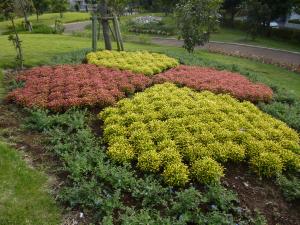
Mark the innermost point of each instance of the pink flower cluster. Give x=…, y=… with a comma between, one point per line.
x=61, y=87
x=202, y=78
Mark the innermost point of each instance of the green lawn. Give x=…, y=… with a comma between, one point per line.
x=238, y=36
x=24, y=198
x=40, y=48
x=49, y=19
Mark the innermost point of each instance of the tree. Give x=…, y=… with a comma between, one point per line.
x=59, y=6
x=196, y=19
x=7, y=7
x=40, y=7
x=25, y=6
x=278, y=9
x=257, y=15
x=166, y=6
x=296, y=6
x=232, y=7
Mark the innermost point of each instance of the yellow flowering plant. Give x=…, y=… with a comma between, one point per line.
x=179, y=133
x=138, y=62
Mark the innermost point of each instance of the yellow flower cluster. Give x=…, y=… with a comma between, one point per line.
x=185, y=135
x=138, y=62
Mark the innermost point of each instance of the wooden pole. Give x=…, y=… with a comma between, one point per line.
x=119, y=32
x=117, y=36
x=105, y=25
x=94, y=32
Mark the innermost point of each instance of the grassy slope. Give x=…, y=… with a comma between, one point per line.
x=39, y=49
x=49, y=18
x=23, y=195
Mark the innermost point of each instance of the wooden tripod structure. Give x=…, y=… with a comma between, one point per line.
x=116, y=32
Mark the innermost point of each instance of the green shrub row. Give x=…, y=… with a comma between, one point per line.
x=99, y=188
x=138, y=62
x=179, y=132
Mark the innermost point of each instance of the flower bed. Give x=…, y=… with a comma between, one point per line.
x=66, y=86
x=202, y=78
x=183, y=134
x=137, y=62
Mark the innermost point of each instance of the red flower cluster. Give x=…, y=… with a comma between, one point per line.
x=201, y=78
x=65, y=86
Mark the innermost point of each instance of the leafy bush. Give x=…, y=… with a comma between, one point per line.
x=198, y=125
x=267, y=164
x=207, y=170
x=176, y=174
x=62, y=87
x=202, y=78
x=137, y=62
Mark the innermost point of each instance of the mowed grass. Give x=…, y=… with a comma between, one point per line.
x=39, y=49
x=49, y=19
x=238, y=36
x=24, y=198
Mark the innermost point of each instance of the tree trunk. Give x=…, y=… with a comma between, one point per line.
x=18, y=45
x=27, y=22
x=61, y=14
x=37, y=15
x=105, y=25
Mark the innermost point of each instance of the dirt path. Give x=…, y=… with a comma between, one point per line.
x=268, y=55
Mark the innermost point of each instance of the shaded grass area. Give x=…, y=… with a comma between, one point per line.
x=23, y=194
x=40, y=49
x=49, y=19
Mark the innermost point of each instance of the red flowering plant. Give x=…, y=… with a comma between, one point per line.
x=61, y=87
x=202, y=78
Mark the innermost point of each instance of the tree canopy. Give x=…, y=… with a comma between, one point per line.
x=196, y=19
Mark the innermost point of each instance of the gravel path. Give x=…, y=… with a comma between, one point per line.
x=268, y=55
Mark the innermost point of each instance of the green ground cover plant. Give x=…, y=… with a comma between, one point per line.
x=184, y=134
x=99, y=188
x=137, y=62
x=24, y=192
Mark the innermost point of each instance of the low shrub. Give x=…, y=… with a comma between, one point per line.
x=61, y=87
x=207, y=170
x=195, y=126
x=267, y=164
x=202, y=78
x=97, y=187
x=137, y=62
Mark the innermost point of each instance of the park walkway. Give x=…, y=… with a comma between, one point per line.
x=268, y=55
